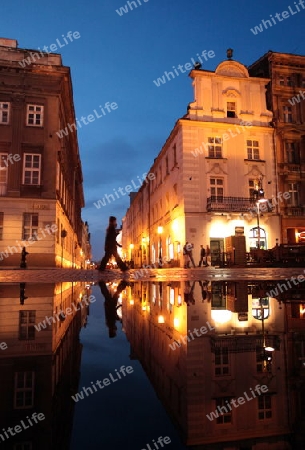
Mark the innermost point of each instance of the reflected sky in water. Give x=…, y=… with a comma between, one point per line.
x=167, y=355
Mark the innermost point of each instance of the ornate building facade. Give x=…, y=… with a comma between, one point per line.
x=285, y=97
x=207, y=177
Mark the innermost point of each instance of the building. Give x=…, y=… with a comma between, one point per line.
x=207, y=355
x=213, y=175
x=41, y=190
x=40, y=366
x=285, y=97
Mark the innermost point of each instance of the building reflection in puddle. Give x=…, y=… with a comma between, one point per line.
x=226, y=360
x=40, y=364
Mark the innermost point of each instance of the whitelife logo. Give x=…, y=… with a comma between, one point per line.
x=53, y=48
x=260, y=389
x=18, y=428
x=101, y=384
x=166, y=440
x=285, y=15
x=91, y=118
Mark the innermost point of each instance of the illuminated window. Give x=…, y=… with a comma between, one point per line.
x=293, y=189
x=24, y=390
x=221, y=361
x=260, y=308
x=285, y=80
x=3, y=173
x=26, y=325
x=218, y=295
x=252, y=188
x=298, y=310
x=215, y=147
x=259, y=360
x=31, y=168
x=231, y=109
x=4, y=112
x=252, y=149
x=216, y=189
x=287, y=114
x=30, y=225
x=264, y=407
x=292, y=155
x=34, y=115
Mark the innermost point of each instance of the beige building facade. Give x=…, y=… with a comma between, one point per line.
x=203, y=182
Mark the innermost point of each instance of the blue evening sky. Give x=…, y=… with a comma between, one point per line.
x=116, y=59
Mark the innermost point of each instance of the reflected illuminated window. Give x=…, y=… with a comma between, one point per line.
x=154, y=294
x=264, y=407
x=23, y=446
x=223, y=406
x=24, y=390
x=257, y=310
x=298, y=310
x=218, y=296
x=30, y=226
x=221, y=361
x=27, y=320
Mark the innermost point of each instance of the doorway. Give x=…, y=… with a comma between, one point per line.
x=217, y=248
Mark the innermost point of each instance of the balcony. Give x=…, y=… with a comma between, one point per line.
x=229, y=204
x=290, y=168
x=295, y=211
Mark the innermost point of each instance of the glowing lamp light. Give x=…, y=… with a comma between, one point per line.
x=143, y=307
x=161, y=319
x=131, y=302
x=221, y=316
x=269, y=349
x=176, y=322
x=172, y=297
x=179, y=300
x=160, y=230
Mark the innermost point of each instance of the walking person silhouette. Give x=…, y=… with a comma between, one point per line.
x=111, y=246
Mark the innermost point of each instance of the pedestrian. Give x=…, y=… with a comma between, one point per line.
x=111, y=246
x=208, y=256
x=186, y=258
x=202, y=256
x=190, y=250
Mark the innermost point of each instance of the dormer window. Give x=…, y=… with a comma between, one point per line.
x=231, y=109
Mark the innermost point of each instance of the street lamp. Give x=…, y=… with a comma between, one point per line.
x=160, y=231
x=131, y=246
x=143, y=243
x=63, y=235
x=267, y=350
x=258, y=195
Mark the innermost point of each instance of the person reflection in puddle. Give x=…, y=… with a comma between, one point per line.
x=205, y=294
x=111, y=305
x=189, y=293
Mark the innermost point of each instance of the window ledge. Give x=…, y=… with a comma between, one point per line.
x=255, y=160
x=211, y=157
